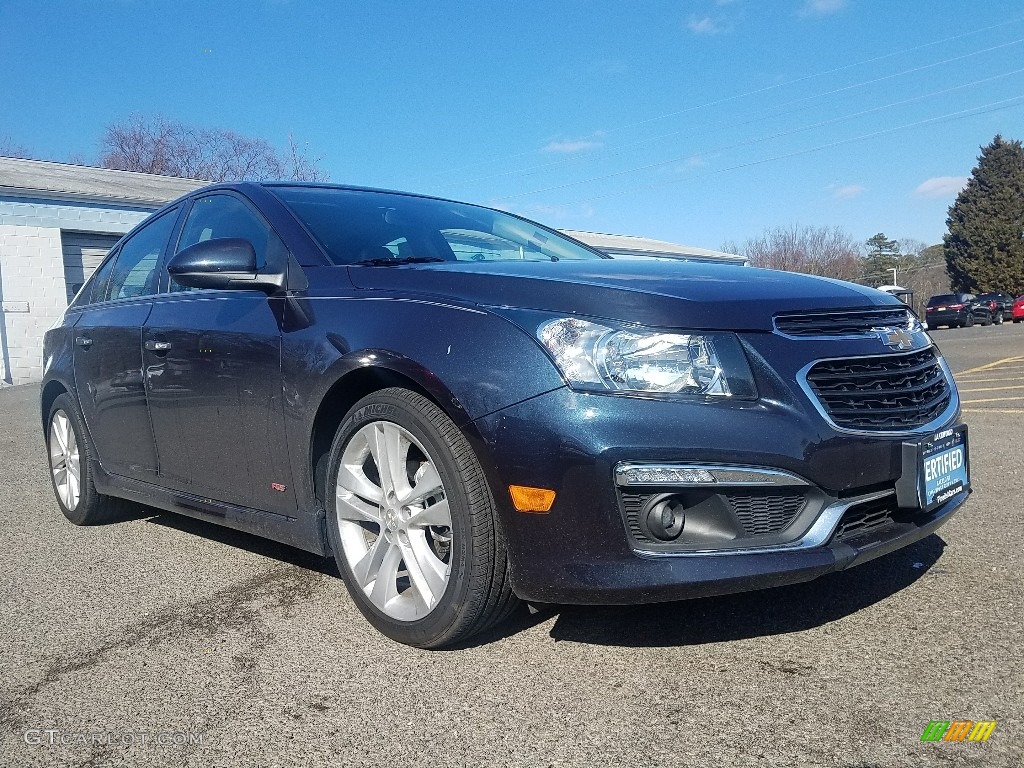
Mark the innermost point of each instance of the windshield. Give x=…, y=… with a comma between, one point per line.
x=381, y=228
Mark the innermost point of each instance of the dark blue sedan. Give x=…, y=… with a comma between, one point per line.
x=468, y=409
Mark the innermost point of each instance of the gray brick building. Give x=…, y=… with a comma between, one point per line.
x=57, y=221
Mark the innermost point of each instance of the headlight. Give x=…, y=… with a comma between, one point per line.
x=597, y=357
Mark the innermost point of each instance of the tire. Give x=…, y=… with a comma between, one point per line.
x=998, y=318
x=68, y=447
x=437, y=513
x=969, y=323
x=1016, y=320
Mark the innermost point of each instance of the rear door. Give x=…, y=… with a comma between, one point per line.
x=108, y=353
x=213, y=366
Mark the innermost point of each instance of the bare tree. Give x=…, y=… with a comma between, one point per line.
x=302, y=167
x=825, y=251
x=922, y=269
x=10, y=148
x=911, y=246
x=171, y=148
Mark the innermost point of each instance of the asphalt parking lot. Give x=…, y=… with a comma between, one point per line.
x=252, y=653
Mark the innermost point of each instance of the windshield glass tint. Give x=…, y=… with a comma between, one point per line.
x=357, y=226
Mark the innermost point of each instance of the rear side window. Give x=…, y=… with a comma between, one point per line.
x=134, y=270
x=96, y=285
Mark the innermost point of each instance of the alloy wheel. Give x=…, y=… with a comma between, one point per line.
x=65, y=463
x=394, y=522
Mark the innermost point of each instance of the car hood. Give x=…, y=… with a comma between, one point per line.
x=657, y=293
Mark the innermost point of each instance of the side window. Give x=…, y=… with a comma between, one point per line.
x=96, y=285
x=217, y=216
x=135, y=268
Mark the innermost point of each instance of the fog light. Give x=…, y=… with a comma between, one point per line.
x=663, y=517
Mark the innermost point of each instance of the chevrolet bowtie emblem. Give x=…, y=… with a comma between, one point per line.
x=895, y=338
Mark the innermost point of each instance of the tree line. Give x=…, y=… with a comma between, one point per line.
x=982, y=251
x=833, y=252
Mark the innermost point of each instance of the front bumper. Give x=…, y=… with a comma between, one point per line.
x=584, y=552
x=656, y=577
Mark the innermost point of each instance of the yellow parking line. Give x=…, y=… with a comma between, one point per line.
x=994, y=399
x=993, y=410
x=980, y=381
x=987, y=366
x=992, y=389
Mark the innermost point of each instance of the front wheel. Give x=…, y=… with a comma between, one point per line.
x=998, y=318
x=412, y=523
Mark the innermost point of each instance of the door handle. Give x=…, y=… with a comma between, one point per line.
x=83, y=341
x=157, y=346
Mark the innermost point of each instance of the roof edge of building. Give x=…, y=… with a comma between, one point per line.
x=66, y=181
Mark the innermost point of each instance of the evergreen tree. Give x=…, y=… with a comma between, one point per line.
x=883, y=254
x=984, y=248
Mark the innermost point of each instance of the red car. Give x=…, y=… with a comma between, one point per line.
x=1018, y=309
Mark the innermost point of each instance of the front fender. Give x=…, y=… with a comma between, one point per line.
x=470, y=361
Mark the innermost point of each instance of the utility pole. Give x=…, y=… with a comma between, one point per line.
x=894, y=276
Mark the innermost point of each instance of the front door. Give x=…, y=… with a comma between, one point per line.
x=213, y=368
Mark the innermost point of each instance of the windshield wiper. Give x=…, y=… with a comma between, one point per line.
x=396, y=262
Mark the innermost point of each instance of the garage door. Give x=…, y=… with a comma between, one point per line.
x=83, y=252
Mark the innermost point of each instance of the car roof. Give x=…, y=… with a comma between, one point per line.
x=355, y=188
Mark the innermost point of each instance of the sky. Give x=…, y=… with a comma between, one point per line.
x=697, y=121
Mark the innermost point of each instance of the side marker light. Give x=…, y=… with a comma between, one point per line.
x=528, y=499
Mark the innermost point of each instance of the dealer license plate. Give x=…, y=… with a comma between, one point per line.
x=944, y=466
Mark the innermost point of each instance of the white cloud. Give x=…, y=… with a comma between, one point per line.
x=940, y=186
x=571, y=146
x=704, y=26
x=848, y=192
x=822, y=7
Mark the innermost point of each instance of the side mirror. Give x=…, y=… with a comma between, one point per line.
x=223, y=263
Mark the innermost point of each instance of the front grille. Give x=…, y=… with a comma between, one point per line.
x=887, y=392
x=759, y=512
x=866, y=517
x=847, y=322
